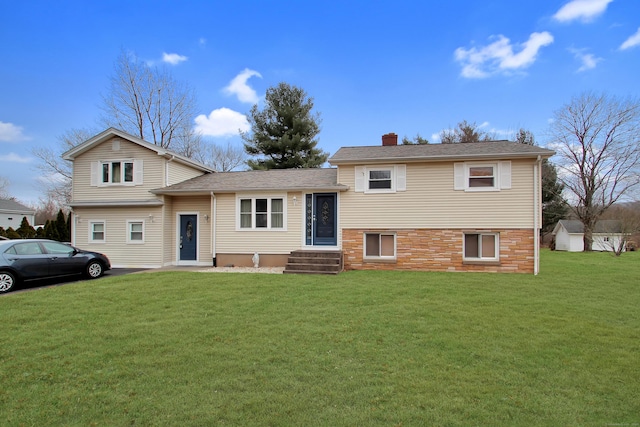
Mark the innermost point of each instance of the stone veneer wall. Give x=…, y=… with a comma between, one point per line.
x=440, y=250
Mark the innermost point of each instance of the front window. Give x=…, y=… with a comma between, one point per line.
x=97, y=232
x=380, y=245
x=136, y=232
x=266, y=213
x=481, y=246
x=117, y=172
x=481, y=176
x=380, y=179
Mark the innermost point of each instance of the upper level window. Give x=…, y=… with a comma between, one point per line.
x=261, y=213
x=117, y=172
x=380, y=179
x=482, y=176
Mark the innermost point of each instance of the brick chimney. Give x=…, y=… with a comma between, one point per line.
x=390, y=139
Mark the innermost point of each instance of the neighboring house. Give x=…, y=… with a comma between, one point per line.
x=569, y=235
x=12, y=212
x=439, y=207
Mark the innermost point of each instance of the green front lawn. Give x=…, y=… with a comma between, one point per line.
x=359, y=349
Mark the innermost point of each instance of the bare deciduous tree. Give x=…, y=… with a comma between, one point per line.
x=626, y=224
x=57, y=172
x=597, y=141
x=225, y=158
x=464, y=132
x=4, y=188
x=149, y=103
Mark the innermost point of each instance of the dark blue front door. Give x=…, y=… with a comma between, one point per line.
x=321, y=219
x=188, y=237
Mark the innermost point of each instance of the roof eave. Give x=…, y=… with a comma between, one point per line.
x=340, y=188
x=423, y=159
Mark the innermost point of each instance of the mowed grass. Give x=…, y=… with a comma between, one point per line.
x=359, y=349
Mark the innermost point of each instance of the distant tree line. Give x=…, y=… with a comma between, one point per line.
x=58, y=229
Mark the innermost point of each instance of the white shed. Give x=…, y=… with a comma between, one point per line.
x=569, y=235
x=12, y=212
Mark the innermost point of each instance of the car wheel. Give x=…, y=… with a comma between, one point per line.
x=94, y=269
x=7, y=281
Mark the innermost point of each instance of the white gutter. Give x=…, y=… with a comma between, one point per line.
x=536, y=214
x=213, y=224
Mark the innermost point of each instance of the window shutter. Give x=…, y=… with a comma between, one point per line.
x=138, y=172
x=505, y=175
x=95, y=173
x=360, y=179
x=458, y=176
x=401, y=178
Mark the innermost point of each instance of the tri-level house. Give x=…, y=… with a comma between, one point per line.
x=436, y=207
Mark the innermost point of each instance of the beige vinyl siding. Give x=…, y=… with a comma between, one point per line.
x=431, y=202
x=121, y=253
x=229, y=240
x=199, y=205
x=169, y=245
x=153, y=167
x=179, y=172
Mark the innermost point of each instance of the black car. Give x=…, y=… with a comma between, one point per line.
x=36, y=259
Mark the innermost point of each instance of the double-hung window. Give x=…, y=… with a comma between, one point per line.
x=380, y=246
x=380, y=179
x=135, y=231
x=494, y=176
x=261, y=213
x=97, y=232
x=481, y=247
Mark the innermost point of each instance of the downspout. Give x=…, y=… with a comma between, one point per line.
x=213, y=226
x=536, y=216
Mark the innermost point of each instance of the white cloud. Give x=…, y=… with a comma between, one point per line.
x=222, y=122
x=14, y=158
x=588, y=60
x=632, y=41
x=499, y=56
x=241, y=89
x=584, y=10
x=202, y=41
x=173, y=58
x=11, y=133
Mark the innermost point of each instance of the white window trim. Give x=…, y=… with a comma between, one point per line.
x=501, y=176
x=96, y=173
x=381, y=257
x=269, y=198
x=129, y=223
x=398, y=178
x=104, y=232
x=481, y=259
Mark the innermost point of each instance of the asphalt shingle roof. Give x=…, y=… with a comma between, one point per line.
x=259, y=180
x=13, y=206
x=435, y=152
x=573, y=226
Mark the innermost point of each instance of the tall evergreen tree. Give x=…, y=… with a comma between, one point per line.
x=61, y=228
x=284, y=132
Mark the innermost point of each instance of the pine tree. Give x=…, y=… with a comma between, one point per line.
x=61, y=227
x=26, y=231
x=284, y=132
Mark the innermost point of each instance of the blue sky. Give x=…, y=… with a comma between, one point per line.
x=372, y=67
